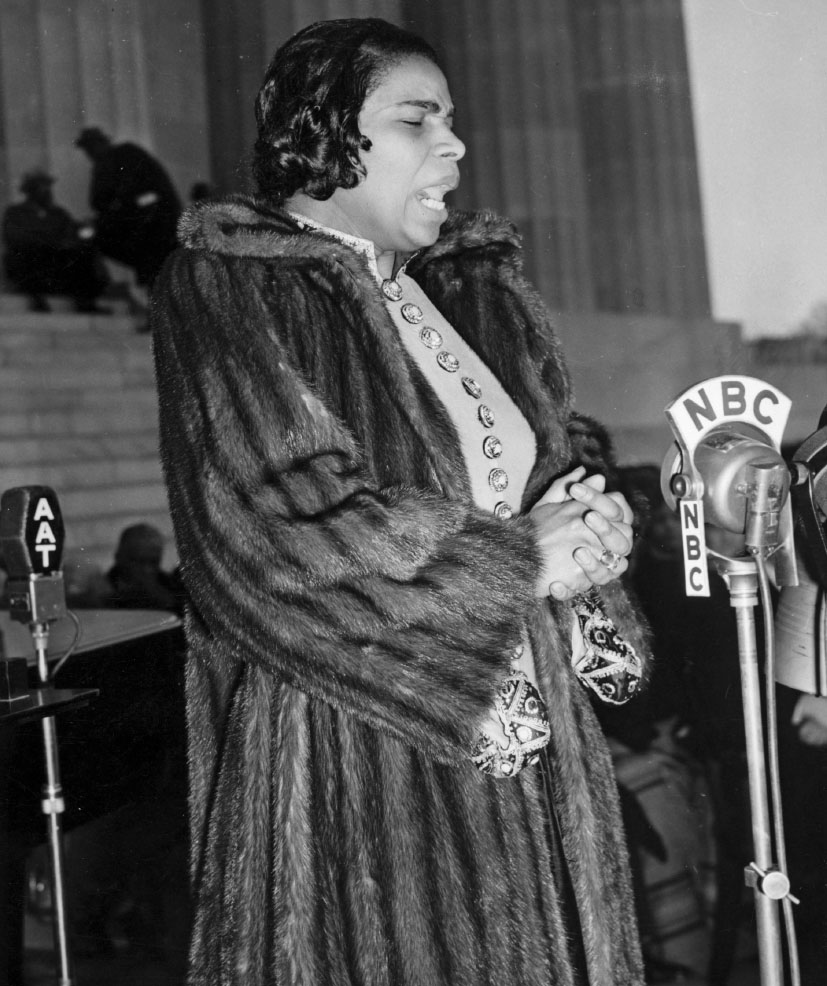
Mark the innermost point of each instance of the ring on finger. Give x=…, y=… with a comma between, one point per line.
x=611, y=559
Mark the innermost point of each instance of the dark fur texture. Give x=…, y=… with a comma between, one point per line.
x=351, y=618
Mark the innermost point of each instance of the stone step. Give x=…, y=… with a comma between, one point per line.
x=105, y=501
x=14, y=304
x=78, y=412
x=57, y=342
x=84, y=505
x=82, y=474
x=86, y=529
x=122, y=418
x=38, y=323
x=69, y=399
x=50, y=376
x=25, y=329
x=31, y=362
x=52, y=450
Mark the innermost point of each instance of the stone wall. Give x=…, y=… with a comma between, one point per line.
x=626, y=369
x=78, y=412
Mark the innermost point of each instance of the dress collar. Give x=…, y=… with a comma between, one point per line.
x=363, y=247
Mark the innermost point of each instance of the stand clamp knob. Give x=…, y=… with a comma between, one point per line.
x=772, y=882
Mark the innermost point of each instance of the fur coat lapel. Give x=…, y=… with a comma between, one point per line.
x=530, y=366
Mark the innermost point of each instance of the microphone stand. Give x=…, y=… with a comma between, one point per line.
x=769, y=884
x=31, y=537
x=720, y=461
x=53, y=807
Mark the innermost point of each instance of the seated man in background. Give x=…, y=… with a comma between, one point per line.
x=137, y=580
x=45, y=250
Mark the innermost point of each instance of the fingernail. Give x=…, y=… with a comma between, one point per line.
x=579, y=488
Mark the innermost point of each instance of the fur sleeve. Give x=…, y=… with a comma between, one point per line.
x=397, y=605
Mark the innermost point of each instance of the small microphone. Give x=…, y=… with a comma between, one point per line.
x=768, y=483
x=31, y=539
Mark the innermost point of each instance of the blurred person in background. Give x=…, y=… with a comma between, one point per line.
x=135, y=205
x=86, y=584
x=137, y=580
x=47, y=252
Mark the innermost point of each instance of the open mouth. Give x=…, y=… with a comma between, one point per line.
x=432, y=197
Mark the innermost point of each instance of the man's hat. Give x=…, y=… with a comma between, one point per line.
x=31, y=179
x=90, y=135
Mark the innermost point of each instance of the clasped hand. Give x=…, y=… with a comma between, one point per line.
x=577, y=523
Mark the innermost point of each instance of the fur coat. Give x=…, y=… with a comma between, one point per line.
x=351, y=618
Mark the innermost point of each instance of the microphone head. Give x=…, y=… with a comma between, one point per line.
x=31, y=531
x=723, y=459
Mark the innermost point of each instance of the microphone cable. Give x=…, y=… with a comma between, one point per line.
x=73, y=646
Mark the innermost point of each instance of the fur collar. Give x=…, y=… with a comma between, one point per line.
x=246, y=226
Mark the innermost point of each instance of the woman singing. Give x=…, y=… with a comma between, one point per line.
x=402, y=580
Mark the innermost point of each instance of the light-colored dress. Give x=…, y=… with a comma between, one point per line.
x=497, y=442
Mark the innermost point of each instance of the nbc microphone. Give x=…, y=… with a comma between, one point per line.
x=726, y=470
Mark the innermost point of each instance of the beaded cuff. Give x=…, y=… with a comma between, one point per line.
x=524, y=719
x=610, y=667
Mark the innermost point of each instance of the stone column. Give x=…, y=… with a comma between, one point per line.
x=644, y=201
x=135, y=70
x=510, y=69
x=21, y=90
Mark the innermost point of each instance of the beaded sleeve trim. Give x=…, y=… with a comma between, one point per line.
x=524, y=719
x=610, y=666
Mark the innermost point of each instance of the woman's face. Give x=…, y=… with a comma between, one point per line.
x=411, y=164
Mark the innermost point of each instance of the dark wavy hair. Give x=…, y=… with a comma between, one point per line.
x=308, y=106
